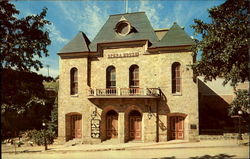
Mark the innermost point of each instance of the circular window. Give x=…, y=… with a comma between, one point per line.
x=123, y=28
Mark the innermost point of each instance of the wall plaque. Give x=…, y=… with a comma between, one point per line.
x=123, y=55
x=193, y=126
x=95, y=128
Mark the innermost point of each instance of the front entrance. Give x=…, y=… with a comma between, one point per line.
x=135, y=119
x=73, y=126
x=76, y=130
x=112, y=124
x=176, y=127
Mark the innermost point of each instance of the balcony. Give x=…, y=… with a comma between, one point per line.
x=124, y=93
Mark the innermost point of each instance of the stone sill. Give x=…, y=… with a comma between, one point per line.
x=176, y=94
x=75, y=95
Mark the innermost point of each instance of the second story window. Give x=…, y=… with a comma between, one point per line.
x=176, y=77
x=134, y=76
x=73, y=81
x=110, y=77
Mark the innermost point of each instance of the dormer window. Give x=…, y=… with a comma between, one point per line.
x=123, y=28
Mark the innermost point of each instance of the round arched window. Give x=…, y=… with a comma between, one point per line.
x=123, y=28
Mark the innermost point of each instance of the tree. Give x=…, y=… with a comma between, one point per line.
x=22, y=40
x=224, y=43
x=240, y=102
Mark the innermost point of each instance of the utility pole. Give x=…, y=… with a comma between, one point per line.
x=48, y=69
x=126, y=6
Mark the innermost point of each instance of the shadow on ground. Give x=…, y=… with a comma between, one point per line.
x=220, y=156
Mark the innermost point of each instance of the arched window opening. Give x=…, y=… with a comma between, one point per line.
x=111, y=77
x=134, y=76
x=73, y=81
x=176, y=78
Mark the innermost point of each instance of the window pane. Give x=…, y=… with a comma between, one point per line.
x=176, y=78
x=73, y=81
x=76, y=88
x=111, y=77
x=134, y=76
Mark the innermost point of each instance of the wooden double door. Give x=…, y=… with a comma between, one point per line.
x=112, y=124
x=75, y=126
x=176, y=127
x=135, y=119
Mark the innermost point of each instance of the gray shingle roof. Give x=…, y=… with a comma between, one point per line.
x=176, y=36
x=78, y=44
x=138, y=20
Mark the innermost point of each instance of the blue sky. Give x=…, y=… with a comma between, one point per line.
x=69, y=17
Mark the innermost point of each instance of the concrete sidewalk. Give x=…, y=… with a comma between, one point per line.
x=126, y=146
x=140, y=146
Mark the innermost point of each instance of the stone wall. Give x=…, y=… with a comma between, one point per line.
x=154, y=72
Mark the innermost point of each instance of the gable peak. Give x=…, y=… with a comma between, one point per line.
x=123, y=19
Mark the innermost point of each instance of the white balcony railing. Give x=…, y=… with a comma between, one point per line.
x=125, y=92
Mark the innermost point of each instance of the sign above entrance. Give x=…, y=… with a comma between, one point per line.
x=123, y=55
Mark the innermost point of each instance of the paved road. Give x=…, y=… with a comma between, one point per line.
x=237, y=151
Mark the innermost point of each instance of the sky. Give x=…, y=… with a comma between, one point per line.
x=68, y=17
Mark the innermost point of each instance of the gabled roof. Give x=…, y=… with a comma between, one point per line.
x=176, y=36
x=138, y=20
x=78, y=44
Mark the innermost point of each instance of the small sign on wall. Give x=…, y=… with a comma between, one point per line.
x=193, y=126
x=95, y=128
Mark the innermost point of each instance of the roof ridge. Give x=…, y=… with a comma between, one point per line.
x=125, y=13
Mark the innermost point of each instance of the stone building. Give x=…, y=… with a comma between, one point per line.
x=214, y=102
x=131, y=83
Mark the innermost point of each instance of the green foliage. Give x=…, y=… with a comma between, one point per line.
x=240, y=102
x=53, y=124
x=22, y=40
x=25, y=102
x=21, y=90
x=224, y=43
x=37, y=136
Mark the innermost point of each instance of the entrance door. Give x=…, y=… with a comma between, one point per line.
x=135, y=125
x=112, y=124
x=176, y=127
x=76, y=126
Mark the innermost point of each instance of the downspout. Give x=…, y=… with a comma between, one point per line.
x=157, y=120
x=157, y=115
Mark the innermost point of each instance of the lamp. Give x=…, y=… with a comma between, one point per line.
x=149, y=113
x=44, y=136
x=240, y=135
x=240, y=112
x=94, y=114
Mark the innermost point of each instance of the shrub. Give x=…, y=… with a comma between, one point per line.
x=37, y=136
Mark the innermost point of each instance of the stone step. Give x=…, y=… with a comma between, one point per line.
x=111, y=141
x=73, y=142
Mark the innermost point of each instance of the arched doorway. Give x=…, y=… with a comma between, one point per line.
x=73, y=126
x=111, y=124
x=135, y=119
x=176, y=127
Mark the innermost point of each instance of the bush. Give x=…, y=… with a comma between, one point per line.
x=37, y=136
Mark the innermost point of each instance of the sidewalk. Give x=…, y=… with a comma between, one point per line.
x=123, y=146
x=143, y=146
